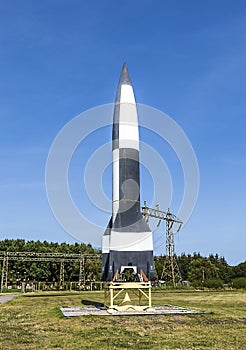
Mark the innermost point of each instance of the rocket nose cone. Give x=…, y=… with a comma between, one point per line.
x=124, y=77
x=124, y=80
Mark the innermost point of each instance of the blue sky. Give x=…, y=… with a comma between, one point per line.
x=186, y=58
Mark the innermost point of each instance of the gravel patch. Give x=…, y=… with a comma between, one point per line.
x=7, y=297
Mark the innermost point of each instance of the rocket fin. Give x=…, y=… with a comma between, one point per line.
x=105, y=250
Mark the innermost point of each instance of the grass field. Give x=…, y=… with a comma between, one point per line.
x=34, y=321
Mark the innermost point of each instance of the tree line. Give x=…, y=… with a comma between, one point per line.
x=211, y=272
x=42, y=271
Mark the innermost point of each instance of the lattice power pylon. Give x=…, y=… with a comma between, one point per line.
x=170, y=273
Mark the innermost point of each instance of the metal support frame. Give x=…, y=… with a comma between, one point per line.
x=170, y=273
x=82, y=277
x=61, y=258
x=56, y=257
x=113, y=289
x=81, y=273
x=62, y=280
x=4, y=277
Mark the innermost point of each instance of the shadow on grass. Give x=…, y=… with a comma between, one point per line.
x=92, y=303
x=47, y=294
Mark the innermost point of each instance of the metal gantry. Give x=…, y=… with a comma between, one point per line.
x=62, y=278
x=170, y=272
x=61, y=258
x=4, y=277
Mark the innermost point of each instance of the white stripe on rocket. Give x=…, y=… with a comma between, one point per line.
x=127, y=94
x=116, y=183
x=131, y=241
x=106, y=244
x=128, y=122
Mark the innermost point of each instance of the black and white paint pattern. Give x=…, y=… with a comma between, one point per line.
x=128, y=238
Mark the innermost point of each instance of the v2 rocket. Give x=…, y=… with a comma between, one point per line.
x=127, y=241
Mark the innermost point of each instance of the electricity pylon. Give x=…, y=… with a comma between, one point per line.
x=170, y=273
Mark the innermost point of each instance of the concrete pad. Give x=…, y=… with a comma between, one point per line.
x=160, y=310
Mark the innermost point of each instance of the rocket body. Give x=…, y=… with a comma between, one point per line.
x=127, y=240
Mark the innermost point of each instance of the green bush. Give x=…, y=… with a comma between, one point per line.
x=213, y=283
x=239, y=283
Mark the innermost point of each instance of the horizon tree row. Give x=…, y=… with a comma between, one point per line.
x=212, y=271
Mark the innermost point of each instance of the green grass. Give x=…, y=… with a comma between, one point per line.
x=34, y=321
